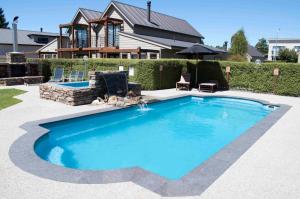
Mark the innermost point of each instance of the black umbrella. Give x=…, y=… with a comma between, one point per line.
x=200, y=50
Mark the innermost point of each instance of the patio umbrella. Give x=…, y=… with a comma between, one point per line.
x=200, y=50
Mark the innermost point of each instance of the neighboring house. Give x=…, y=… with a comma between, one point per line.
x=275, y=45
x=126, y=31
x=28, y=41
x=253, y=54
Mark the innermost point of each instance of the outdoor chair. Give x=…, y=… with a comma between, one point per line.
x=185, y=82
x=80, y=76
x=210, y=86
x=58, y=75
x=73, y=76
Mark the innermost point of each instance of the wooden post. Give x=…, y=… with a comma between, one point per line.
x=276, y=75
x=90, y=35
x=106, y=33
x=228, y=73
x=139, y=53
x=73, y=36
x=60, y=41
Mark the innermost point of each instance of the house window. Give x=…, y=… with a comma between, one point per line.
x=81, y=37
x=42, y=40
x=113, y=35
x=276, y=50
x=153, y=55
x=134, y=56
x=297, y=48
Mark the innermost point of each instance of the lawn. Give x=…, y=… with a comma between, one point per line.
x=7, y=97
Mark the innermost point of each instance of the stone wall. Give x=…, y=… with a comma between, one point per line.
x=69, y=96
x=11, y=81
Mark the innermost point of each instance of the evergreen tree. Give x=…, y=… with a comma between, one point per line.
x=262, y=46
x=239, y=43
x=3, y=23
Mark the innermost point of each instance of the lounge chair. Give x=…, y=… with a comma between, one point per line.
x=73, y=76
x=80, y=76
x=210, y=86
x=185, y=82
x=58, y=75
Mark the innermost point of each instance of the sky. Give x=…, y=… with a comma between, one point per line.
x=216, y=20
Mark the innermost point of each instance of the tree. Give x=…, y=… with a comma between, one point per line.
x=262, y=46
x=239, y=43
x=3, y=23
x=288, y=55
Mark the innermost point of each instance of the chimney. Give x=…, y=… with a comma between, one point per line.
x=149, y=10
x=41, y=29
x=225, y=45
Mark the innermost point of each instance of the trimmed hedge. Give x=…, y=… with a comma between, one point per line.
x=244, y=76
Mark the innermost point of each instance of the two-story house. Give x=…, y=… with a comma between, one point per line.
x=125, y=31
x=275, y=45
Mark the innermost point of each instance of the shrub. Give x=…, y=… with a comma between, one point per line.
x=244, y=75
x=288, y=55
x=237, y=58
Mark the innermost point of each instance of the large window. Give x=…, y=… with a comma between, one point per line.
x=297, y=48
x=81, y=37
x=113, y=35
x=276, y=49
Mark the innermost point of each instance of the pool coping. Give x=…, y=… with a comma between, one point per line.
x=194, y=183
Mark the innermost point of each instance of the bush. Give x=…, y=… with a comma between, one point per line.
x=237, y=58
x=244, y=76
x=288, y=55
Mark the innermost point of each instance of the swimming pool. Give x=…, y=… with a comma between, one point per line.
x=75, y=84
x=170, y=139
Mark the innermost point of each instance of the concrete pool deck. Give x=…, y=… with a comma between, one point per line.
x=269, y=169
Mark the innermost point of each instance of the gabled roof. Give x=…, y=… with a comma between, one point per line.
x=162, y=42
x=88, y=14
x=253, y=52
x=91, y=14
x=138, y=16
x=6, y=36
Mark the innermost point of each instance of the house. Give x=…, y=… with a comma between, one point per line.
x=275, y=45
x=125, y=31
x=28, y=41
x=253, y=54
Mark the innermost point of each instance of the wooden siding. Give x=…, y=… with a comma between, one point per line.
x=126, y=42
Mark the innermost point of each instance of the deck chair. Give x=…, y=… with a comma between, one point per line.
x=80, y=76
x=210, y=86
x=58, y=75
x=185, y=82
x=73, y=76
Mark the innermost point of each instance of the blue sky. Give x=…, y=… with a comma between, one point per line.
x=217, y=20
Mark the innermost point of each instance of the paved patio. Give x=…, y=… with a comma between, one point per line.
x=269, y=169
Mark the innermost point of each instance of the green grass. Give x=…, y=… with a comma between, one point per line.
x=7, y=97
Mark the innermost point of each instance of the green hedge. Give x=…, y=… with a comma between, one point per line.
x=244, y=76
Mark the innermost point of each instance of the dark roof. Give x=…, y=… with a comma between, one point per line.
x=201, y=49
x=281, y=40
x=90, y=14
x=253, y=52
x=165, y=42
x=6, y=36
x=138, y=16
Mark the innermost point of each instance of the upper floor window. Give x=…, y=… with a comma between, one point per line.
x=81, y=37
x=42, y=40
x=113, y=35
x=297, y=48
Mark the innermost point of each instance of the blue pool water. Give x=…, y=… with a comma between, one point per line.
x=75, y=84
x=171, y=138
